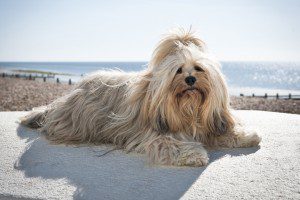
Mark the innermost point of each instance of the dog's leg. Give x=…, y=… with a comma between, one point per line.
x=236, y=139
x=167, y=150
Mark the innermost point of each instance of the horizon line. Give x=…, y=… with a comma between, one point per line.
x=119, y=61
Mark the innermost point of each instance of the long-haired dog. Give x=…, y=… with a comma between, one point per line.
x=170, y=111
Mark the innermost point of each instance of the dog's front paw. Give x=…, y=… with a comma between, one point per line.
x=194, y=157
x=253, y=139
x=249, y=140
x=168, y=151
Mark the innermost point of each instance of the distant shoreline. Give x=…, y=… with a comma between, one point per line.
x=28, y=71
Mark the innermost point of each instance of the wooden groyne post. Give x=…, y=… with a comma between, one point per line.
x=31, y=76
x=277, y=96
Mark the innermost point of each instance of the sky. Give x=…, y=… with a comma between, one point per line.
x=128, y=30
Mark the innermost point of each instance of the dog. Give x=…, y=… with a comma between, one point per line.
x=171, y=111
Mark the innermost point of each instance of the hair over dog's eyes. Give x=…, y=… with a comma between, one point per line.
x=199, y=69
x=179, y=70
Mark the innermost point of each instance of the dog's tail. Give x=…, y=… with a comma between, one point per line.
x=35, y=119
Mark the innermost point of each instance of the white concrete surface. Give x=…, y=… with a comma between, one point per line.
x=31, y=168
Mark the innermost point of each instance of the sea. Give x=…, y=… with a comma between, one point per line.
x=245, y=78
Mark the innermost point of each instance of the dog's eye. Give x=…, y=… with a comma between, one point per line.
x=199, y=69
x=179, y=70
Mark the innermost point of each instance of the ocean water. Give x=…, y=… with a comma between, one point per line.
x=242, y=77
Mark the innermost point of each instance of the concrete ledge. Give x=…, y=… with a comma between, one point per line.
x=32, y=168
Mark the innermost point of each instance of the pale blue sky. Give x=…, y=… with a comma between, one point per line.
x=127, y=30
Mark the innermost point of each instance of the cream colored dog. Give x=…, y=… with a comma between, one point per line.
x=170, y=111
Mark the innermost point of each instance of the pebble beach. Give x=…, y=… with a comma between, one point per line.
x=23, y=95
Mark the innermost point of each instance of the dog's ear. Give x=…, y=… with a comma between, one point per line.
x=147, y=114
x=223, y=123
x=161, y=124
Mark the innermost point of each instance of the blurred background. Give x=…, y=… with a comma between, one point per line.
x=60, y=41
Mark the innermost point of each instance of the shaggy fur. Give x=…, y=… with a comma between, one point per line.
x=155, y=111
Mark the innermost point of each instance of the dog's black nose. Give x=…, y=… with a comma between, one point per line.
x=190, y=80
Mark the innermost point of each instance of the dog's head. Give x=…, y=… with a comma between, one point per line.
x=185, y=88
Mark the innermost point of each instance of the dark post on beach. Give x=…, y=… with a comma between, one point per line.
x=44, y=79
x=57, y=80
x=70, y=82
